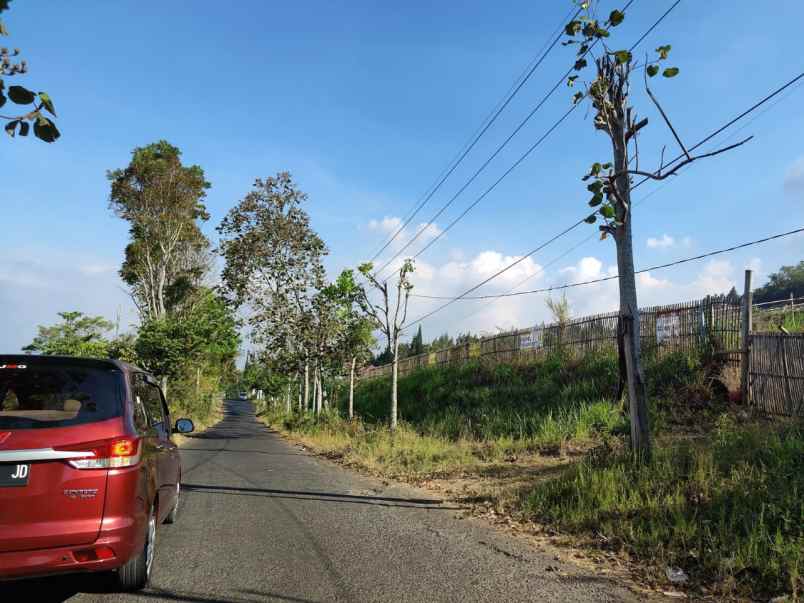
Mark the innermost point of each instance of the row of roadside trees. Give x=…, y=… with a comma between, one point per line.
x=307, y=330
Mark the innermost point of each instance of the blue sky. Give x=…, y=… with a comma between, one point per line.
x=365, y=103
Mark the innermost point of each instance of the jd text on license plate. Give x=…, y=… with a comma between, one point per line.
x=14, y=475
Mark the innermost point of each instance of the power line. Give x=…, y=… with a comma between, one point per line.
x=643, y=270
x=709, y=137
x=499, y=149
x=485, y=125
x=790, y=90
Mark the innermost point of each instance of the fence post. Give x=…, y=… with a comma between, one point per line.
x=745, y=356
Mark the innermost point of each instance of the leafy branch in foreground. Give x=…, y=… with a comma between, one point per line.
x=43, y=127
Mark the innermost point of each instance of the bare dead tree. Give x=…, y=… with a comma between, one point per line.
x=389, y=316
x=611, y=182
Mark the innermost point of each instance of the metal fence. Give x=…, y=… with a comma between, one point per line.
x=710, y=324
x=776, y=373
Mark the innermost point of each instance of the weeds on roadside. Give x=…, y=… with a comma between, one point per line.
x=730, y=511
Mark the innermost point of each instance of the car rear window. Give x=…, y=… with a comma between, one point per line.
x=57, y=395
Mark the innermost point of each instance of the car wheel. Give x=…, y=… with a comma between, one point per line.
x=134, y=575
x=174, y=512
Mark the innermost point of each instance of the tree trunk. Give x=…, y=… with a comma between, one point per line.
x=394, y=381
x=315, y=389
x=351, y=411
x=287, y=399
x=198, y=382
x=319, y=401
x=306, y=385
x=629, y=307
x=165, y=387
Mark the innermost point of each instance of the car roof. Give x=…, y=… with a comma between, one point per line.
x=93, y=362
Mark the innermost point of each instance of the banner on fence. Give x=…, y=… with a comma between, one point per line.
x=668, y=326
x=532, y=339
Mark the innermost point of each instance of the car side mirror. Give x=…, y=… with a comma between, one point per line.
x=184, y=426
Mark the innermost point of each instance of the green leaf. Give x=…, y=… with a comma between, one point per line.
x=580, y=64
x=607, y=211
x=2, y=99
x=596, y=167
x=591, y=219
x=652, y=70
x=606, y=166
x=11, y=127
x=46, y=130
x=664, y=51
x=576, y=98
x=596, y=200
x=595, y=187
x=571, y=80
x=616, y=17
x=20, y=95
x=572, y=28
x=24, y=127
x=670, y=72
x=601, y=32
x=47, y=103
x=622, y=56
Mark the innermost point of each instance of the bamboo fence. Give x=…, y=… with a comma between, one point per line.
x=711, y=324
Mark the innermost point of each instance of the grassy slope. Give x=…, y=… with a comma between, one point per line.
x=724, y=502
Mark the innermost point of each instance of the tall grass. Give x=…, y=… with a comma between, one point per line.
x=732, y=510
x=485, y=402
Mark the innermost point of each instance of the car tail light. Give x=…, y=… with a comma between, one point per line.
x=98, y=553
x=106, y=454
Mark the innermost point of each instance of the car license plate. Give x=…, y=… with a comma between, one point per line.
x=14, y=475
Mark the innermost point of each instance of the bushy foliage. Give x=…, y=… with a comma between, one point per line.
x=781, y=284
x=76, y=335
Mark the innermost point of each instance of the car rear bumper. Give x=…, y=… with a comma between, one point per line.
x=125, y=540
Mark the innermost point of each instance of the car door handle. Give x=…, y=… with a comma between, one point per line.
x=160, y=446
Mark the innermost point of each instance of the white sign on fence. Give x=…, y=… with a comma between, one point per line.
x=667, y=327
x=531, y=340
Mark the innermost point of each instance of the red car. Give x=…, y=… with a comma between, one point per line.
x=87, y=468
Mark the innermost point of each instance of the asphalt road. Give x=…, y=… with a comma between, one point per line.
x=261, y=520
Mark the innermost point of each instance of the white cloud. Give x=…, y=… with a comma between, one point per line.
x=390, y=226
x=36, y=284
x=794, y=178
x=487, y=316
x=93, y=269
x=662, y=242
x=387, y=225
x=755, y=265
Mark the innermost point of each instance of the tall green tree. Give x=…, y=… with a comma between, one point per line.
x=39, y=103
x=163, y=202
x=787, y=281
x=204, y=333
x=273, y=266
x=76, y=335
x=417, y=343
